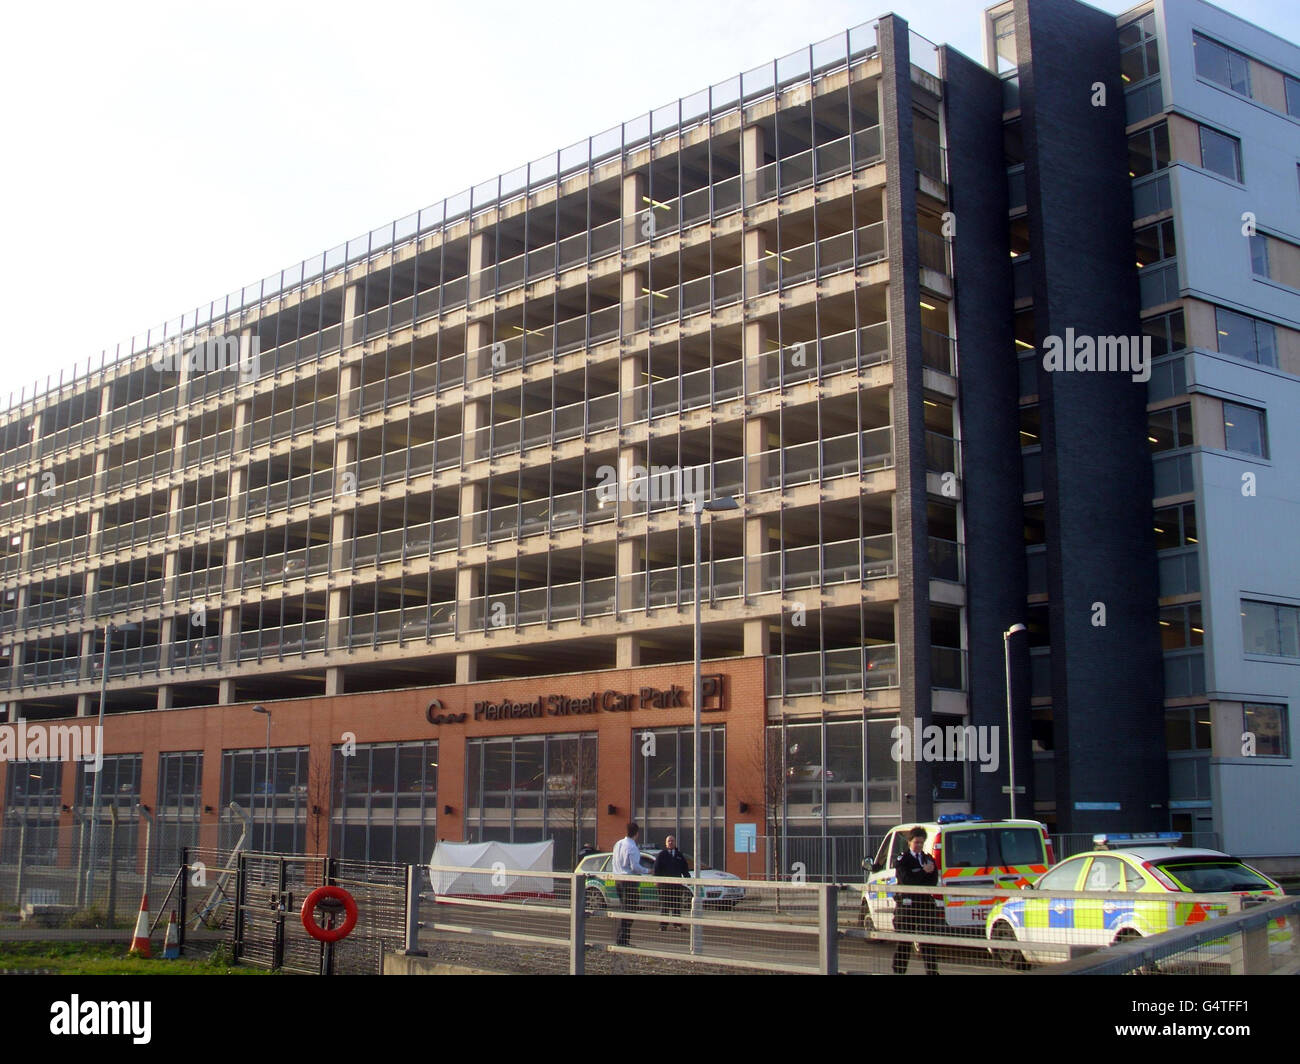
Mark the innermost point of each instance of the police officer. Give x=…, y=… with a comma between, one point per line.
x=916, y=913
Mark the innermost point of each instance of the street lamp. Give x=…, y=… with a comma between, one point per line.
x=109, y=629
x=266, y=782
x=1011, y=754
x=718, y=505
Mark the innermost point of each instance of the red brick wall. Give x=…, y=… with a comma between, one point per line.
x=394, y=716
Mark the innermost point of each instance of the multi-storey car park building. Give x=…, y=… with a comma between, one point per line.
x=422, y=494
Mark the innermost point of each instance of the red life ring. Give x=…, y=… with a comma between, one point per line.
x=332, y=934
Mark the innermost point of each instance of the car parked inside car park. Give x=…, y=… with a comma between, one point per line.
x=1133, y=876
x=602, y=893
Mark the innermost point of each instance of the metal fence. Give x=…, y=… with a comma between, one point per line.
x=45, y=878
x=255, y=900
x=838, y=858
x=541, y=922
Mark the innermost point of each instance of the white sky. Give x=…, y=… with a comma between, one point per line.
x=160, y=155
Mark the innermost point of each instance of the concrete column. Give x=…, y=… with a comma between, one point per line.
x=239, y=474
x=167, y=628
x=756, y=638
x=352, y=309
x=88, y=659
x=752, y=146
x=466, y=667
x=627, y=651
x=34, y=484
x=475, y=415
x=628, y=570
x=631, y=377
x=638, y=221
x=84, y=705
x=758, y=272
x=343, y=519
x=756, y=470
x=101, y=470
x=478, y=334
x=469, y=586
x=225, y=692
x=233, y=580
x=334, y=681
x=165, y=696
x=636, y=212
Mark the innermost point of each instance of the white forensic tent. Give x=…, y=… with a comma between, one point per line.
x=501, y=862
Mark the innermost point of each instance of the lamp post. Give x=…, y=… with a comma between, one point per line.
x=725, y=502
x=109, y=629
x=1011, y=754
x=266, y=782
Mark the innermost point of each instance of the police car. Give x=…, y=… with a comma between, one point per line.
x=1148, y=866
x=602, y=892
x=970, y=852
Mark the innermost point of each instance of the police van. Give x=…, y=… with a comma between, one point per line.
x=969, y=852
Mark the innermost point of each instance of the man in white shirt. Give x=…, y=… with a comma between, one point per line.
x=627, y=862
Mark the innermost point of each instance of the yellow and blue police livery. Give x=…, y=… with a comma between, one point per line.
x=1132, y=876
x=970, y=852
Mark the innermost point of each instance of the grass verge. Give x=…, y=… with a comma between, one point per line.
x=108, y=958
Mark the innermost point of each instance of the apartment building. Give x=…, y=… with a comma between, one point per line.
x=430, y=494
x=1211, y=204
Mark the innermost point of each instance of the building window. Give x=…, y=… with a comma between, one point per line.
x=1188, y=728
x=1155, y=243
x=1139, y=56
x=1244, y=337
x=180, y=800
x=385, y=802
x=1268, y=724
x=1170, y=429
x=1245, y=430
x=1167, y=331
x=272, y=799
x=119, y=788
x=1277, y=260
x=1221, y=154
x=529, y=788
x=663, y=764
x=1181, y=627
x=1270, y=628
x=1259, y=255
x=1148, y=151
x=1175, y=526
x=1155, y=248
x=1221, y=65
x=1004, y=41
x=33, y=790
x=1292, y=97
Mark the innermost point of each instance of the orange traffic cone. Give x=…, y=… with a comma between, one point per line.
x=140, y=941
x=172, y=941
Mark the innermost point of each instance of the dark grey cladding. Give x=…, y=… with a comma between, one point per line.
x=1107, y=684
x=991, y=474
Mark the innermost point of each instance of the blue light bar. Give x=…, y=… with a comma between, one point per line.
x=958, y=818
x=1112, y=839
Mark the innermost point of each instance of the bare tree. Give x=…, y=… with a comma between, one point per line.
x=318, y=801
x=572, y=778
x=764, y=764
